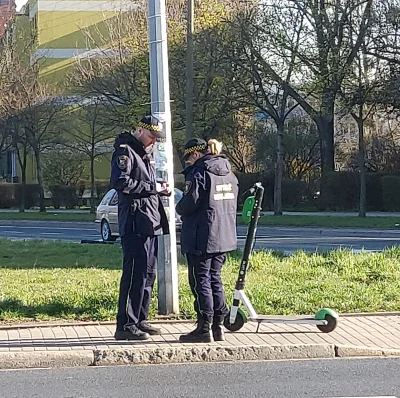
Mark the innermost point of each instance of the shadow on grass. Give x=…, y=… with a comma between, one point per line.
x=111, y=266
x=53, y=309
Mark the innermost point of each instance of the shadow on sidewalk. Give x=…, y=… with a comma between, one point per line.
x=78, y=342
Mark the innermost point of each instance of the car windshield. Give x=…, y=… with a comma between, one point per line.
x=107, y=198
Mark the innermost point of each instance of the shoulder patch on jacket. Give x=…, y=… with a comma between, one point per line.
x=122, y=162
x=186, y=188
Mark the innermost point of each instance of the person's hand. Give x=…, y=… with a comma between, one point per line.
x=163, y=189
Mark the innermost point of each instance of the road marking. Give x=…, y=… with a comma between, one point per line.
x=51, y=227
x=12, y=232
x=49, y=233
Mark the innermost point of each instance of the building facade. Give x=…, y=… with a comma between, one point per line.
x=51, y=36
x=7, y=12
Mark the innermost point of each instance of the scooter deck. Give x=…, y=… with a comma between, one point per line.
x=288, y=319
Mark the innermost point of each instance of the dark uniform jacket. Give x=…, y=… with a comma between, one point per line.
x=133, y=175
x=208, y=207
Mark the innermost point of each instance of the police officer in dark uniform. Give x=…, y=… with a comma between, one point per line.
x=141, y=219
x=208, y=211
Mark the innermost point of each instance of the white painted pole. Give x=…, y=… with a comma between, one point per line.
x=168, y=299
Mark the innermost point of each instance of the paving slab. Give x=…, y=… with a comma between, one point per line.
x=93, y=344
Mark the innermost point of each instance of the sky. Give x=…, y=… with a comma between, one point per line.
x=20, y=3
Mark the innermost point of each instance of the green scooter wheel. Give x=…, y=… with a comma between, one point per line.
x=330, y=316
x=239, y=321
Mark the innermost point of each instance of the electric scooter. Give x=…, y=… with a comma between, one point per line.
x=325, y=319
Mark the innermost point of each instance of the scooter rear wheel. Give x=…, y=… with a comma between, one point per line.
x=239, y=321
x=331, y=326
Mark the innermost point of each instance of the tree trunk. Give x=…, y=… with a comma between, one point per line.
x=326, y=131
x=22, y=202
x=361, y=162
x=22, y=164
x=278, y=170
x=92, y=185
x=326, y=128
x=39, y=171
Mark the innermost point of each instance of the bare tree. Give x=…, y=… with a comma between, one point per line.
x=301, y=157
x=31, y=104
x=361, y=106
x=240, y=141
x=117, y=68
x=5, y=67
x=324, y=52
x=62, y=167
x=88, y=134
x=255, y=84
x=385, y=32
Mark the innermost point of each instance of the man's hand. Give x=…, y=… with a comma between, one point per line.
x=163, y=189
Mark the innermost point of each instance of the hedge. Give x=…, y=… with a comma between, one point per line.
x=7, y=199
x=293, y=192
x=342, y=191
x=64, y=196
x=391, y=193
x=11, y=195
x=31, y=194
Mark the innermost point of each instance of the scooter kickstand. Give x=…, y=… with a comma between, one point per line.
x=258, y=326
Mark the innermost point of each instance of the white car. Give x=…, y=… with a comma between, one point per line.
x=107, y=215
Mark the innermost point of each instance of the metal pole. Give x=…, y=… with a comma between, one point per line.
x=189, y=70
x=168, y=299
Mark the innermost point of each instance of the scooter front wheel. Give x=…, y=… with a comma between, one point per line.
x=239, y=321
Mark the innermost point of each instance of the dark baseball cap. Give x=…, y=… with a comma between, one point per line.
x=193, y=145
x=151, y=123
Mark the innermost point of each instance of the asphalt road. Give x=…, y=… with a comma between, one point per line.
x=287, y=239
x=286, y=379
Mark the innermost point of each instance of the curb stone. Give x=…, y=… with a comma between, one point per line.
x=45, y=359
x=211, y=354
x=185, y=354
x=343, y=351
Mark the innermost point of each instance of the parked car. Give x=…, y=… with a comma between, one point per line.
x=107, y=215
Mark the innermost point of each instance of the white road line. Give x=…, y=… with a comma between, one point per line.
x=60, y=228
x=11, y=232
x=50, y=233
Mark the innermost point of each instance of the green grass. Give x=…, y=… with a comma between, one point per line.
x=41, y=280
x=50, y=215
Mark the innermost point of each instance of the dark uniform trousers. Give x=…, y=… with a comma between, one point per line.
x=206, y=284
x=137, y=281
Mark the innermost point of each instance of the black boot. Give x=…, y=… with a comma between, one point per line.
x=144, y=326
x=202, y=334
x=218, y=328
x=131, y=332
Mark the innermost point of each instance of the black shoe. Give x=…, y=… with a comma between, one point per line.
x=202, y=334
x=144, y=326
x=131, y=333
x=218, y=328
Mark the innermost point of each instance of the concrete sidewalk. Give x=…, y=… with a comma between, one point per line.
x=30, y=346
